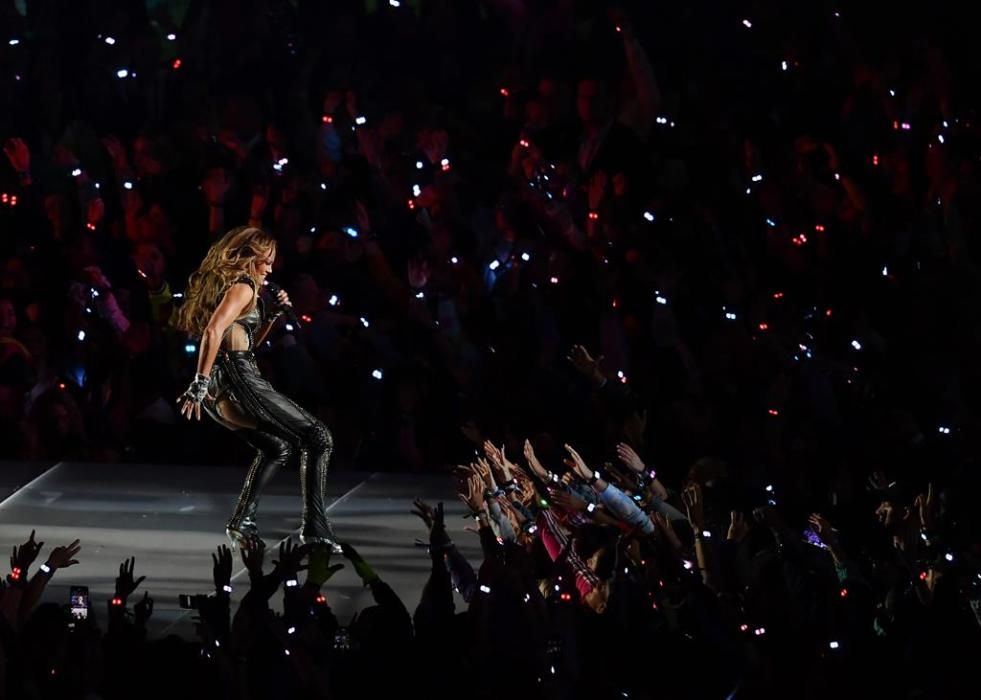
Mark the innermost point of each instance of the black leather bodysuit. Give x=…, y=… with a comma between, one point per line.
x=283, y=429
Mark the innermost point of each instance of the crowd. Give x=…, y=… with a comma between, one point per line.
x=593, y=583
x=732, y=246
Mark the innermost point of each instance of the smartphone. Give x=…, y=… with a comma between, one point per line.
x=191, y=602
x=78, y=602
x=811, y=538
x=342, y=639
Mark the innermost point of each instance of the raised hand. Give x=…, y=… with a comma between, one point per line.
x=95, y=211
x=222, y=570
x=471, y=492
x=63, y=557
x=116, y=151
x=362, y=217
x=533, y=462
x=738, y=527
x=827, y=534
x=925, y=505
x=18, y=154
x=582, y=361
x=630, y=458
x=496, y=456
x=360, y=565
x=695, y=505
x=290, y=556
x=567, y=500
x=253, y=551
x=577, y=464
x=125, y=585
x=143, y=610
x=437, y=532
x=768, y=516
x=597, y=190
x=624, y=479
x=666, y=528
x=320, y=569
x=24, y=555
x=425, y=511
x=877, y=481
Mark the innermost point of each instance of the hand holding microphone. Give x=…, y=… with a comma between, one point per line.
x=283, y=303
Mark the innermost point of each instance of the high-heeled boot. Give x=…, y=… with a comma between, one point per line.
x=272, y=452
x=314, y=461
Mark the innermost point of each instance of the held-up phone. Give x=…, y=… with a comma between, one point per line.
x=811, y=538
x=78, y=602
x=191, y=602
x=342, y=639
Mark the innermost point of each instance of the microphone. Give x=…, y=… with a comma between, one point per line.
x=287, y=310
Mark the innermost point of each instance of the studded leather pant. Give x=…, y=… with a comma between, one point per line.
x=283, y=429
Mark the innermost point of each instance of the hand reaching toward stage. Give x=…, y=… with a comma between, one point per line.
x=367, y=574
x=222, y=571
x=319, y=568
x=63, y=557
x=290, y=556
x=23, y=556
x=581, y=359
x=253, y=551
x=424, y=511
x=496, y=457
x=143, y=610
x=533, y=463
x=125, y=585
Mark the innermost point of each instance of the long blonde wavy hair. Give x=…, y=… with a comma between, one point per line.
x=233, y=255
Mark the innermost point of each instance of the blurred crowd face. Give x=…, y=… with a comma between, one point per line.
x=145, y=158
x=8, y=318
x=591, y=103
x=150, y=261
x=56, y=211
x=155, y=226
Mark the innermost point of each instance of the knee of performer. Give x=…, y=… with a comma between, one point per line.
x=319, y=437
x=276, y=448
x=283, y=450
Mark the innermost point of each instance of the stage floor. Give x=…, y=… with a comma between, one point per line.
x=171, y=518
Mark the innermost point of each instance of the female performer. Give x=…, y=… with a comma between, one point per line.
x=223, y=308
